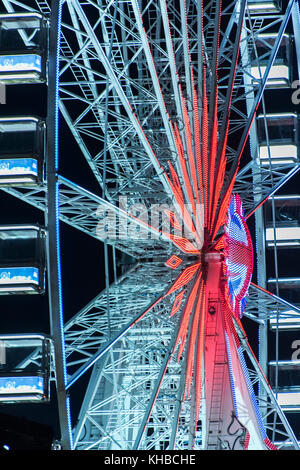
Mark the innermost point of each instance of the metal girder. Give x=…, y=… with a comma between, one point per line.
x=84, y=211
x=296, y=27
x=53, y=239
x=263, y=306
x=128, y=297
x=268, y=182
x=112, y=419
x=89, y=31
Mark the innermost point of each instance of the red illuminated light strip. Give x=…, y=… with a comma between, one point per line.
x=247, y=440
x=223, y=209
x=177, y=303
x=204, y=145
x=186, y=177
x=203, y=163
x=197, y=146
x=178, y=141
x=222, y=212
x=175, y=178
x=181, y=206
x=262, y=289
x=173, y=219
x=213, y=155
x=181, y=281
x=229, y=326
x=192, y=159
x=183, y=243
x=230, y=188
x=176, y=182
x=219, y=245
x=173, y=262
x=192, y=166
x=193, y=342
x=183, y=278
x=182, y=334
x=220, y=172
x=221, y=218
x=214, y=134
x=199, y=359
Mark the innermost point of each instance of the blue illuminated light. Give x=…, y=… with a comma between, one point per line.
x=231, y=375
x=18, y=166
x=20, y=63
x=21, y=385
x=238, y=257
x=252, y=394
x=24, y=275
x=56, y=163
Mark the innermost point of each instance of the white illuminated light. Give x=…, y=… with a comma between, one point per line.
x=285, y=280
x=26, y=18
x=284, y=322
x=20, y=398
x=279, y=198
x=14, y=76
x=278, y=154
x=23, y=124
x=266, y=7
x=297, y=243
x=278, y=75
x=289, y=400
x=283, y=234
x=18, y=227
x=16, y=289
x=277, y=72
x=285, y=363
x=278, y=116
x=16, y=180
x=18, y=340
x=19, y=280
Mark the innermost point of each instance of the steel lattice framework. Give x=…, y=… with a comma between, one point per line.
x=123, y=67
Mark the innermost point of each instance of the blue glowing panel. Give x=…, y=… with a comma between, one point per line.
x=21, y=385
x=18, y=166
x=20, y=63
x=238, y=257
x=27, y=275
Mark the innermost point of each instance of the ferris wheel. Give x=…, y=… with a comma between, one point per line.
x=185, y=113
